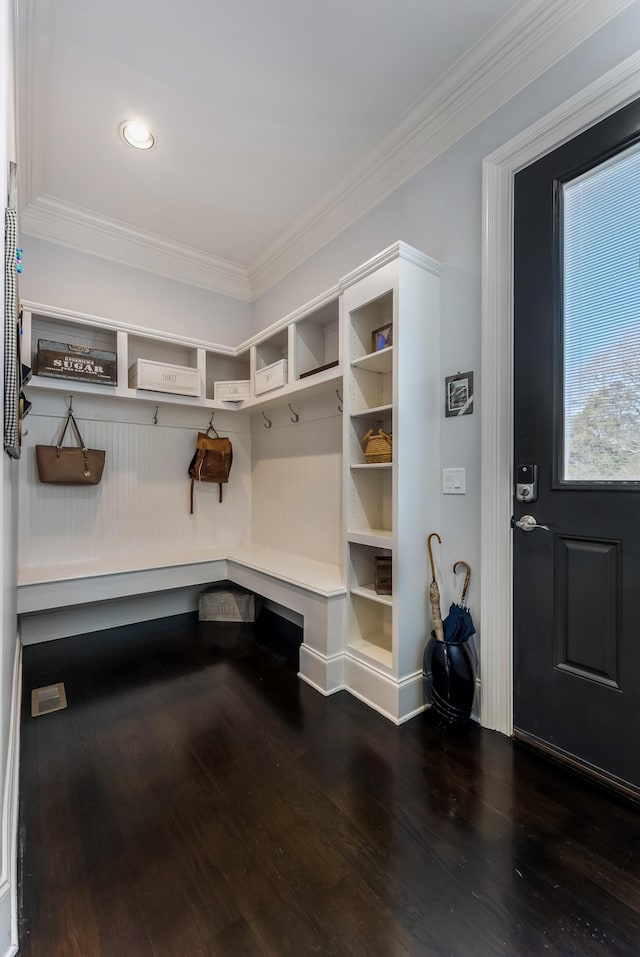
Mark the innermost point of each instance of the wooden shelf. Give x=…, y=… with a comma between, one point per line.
x=372, y=465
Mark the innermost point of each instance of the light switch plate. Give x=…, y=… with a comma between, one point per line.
x=454, y=482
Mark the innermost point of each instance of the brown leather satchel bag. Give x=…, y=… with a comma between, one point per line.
x=69, y=465
x=212, y=460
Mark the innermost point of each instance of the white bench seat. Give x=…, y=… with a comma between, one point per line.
x=77, y=599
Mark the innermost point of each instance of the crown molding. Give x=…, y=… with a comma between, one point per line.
x=397, y=250
x=60, y=222
x=500, y=65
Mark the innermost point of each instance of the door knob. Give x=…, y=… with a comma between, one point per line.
x=527, y=523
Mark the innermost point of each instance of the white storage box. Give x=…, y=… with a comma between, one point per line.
x=271, y=377
x=226, y=604
x=163, y=377
x=232, y=391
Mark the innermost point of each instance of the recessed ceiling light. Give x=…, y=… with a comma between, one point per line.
x=136, y=134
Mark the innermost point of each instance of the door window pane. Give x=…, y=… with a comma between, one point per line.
x=601, y=308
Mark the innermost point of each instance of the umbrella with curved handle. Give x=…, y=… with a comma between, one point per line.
x=434, y=592
x=458, y=625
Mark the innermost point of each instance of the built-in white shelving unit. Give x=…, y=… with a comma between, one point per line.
x=390, y=508
x=309, y=341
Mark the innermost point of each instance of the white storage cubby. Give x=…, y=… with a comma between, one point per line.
x=225, y=368
x=316, y=340
x=160, y=350
x=364, y=321
x=273, y=349
x=361, y=571
x=372, y=389
x=359, y=427
x=371, y=500
x=370, y=631
x=66, y=331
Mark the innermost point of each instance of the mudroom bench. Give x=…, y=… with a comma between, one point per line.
x=73, y=604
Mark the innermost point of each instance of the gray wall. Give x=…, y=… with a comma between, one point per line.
x=59, y=276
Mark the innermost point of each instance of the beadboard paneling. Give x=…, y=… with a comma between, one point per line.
x=141, y=507
x=296, y=482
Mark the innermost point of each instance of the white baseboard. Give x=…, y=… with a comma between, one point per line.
x=323, y=672
x=9, y=876
x=398, y=700
x=82, y=619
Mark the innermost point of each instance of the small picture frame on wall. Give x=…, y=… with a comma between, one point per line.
x=382, y=338
x=458, y=394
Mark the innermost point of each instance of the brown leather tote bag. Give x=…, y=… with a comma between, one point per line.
x=58, y=465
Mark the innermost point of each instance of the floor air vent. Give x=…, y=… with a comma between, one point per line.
x=45, y=700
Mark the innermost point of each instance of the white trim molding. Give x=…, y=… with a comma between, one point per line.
x=611, y=92
x=60, y=222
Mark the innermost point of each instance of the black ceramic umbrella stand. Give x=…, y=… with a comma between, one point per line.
x=447, y=669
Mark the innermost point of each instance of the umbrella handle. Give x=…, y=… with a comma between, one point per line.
x=433, y=569
x=466, y=578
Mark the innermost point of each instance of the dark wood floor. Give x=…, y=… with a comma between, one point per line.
x=197, y=799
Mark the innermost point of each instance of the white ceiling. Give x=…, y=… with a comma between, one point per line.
x=261, y=109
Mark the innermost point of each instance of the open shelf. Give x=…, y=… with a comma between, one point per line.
x=367, y=320
x=377, y=413
x=379, y=362
x=373, y=652
x=371, y=595
x=316, y=340
x=223, y=368
x=370, y=634
x=377, y=537
x=370, y=499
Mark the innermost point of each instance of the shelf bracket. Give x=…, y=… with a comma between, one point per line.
x=294, y=415
x=267, y=422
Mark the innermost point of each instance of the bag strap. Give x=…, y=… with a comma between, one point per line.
x=85, y=451
x=71, y=417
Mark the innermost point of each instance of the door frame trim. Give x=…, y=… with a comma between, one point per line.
x=599, y=99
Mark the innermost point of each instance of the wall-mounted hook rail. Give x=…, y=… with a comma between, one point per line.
x=339, y=400
x=294, y=415
x=155, y=416
x=267, y=422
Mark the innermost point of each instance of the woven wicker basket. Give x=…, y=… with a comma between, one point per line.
x=377, y=448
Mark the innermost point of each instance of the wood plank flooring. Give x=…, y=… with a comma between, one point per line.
x=197, y=799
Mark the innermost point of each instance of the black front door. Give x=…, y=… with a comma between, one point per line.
x=577, y=419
